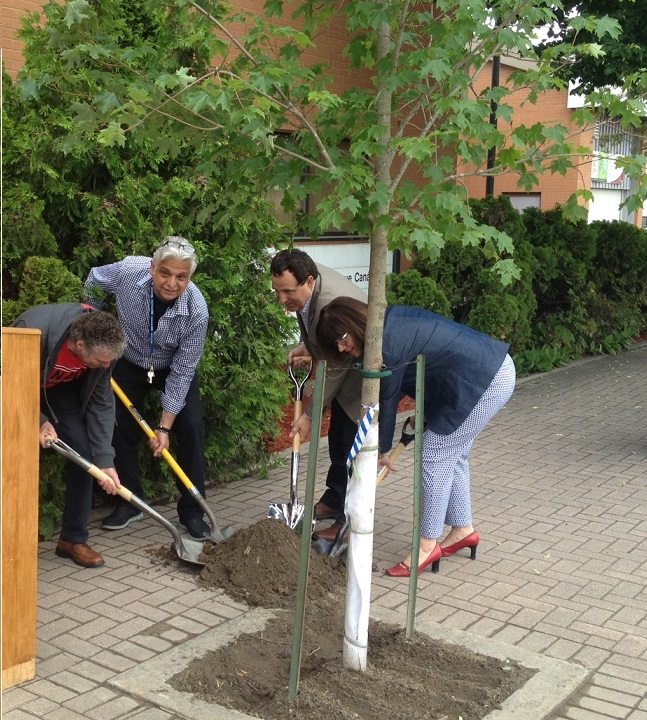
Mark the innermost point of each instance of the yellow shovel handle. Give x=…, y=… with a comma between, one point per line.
x=150, y=433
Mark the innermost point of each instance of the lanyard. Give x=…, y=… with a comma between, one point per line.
x=151, y=340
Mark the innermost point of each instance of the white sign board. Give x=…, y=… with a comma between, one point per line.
x=350, y=259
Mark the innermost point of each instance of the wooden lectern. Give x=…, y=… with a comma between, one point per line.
x=20, y=454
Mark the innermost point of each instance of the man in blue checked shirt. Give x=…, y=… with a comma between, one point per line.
x=165, y=318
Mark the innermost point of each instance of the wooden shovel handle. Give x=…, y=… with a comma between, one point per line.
x=393, y=456
x=296, y=440
x=98, y=474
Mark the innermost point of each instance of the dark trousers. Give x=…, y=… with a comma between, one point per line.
x=65, y=401
x=341, y=434
x=188, y=428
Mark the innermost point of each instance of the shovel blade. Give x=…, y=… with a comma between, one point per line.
x=224, y=534
x=290, y=514
x=189, y=551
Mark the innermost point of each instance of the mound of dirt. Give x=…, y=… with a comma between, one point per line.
x=421, y=679
x=259, y=565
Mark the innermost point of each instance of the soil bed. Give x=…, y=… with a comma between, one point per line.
x=418, y=680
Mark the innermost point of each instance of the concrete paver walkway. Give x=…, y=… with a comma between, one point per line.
x=560, y=500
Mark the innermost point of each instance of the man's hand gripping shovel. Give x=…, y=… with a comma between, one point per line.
x=217, y=535
x=187, y=550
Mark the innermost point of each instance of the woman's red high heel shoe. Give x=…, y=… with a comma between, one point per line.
x=402, y=570
x=470, y=541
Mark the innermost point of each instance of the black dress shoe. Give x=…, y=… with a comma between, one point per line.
x=197, y=527
x=329, y=534
x=121, y=517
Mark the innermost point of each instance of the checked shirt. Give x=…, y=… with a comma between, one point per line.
x=178, y=341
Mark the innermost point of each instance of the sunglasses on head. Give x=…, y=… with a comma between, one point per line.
x=186, y=246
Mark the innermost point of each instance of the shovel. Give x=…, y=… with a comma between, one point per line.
x=217, y=535
x=187, y=550
x=291, y=513
x=336, y=546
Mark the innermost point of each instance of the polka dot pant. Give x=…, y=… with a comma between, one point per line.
x=445, y=468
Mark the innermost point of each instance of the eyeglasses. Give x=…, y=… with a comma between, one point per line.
x=186, y=246
x=342, y=339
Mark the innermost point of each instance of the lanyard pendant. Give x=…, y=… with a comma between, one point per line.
x=151, y=375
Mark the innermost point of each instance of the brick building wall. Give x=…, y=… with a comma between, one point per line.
x=550, y=109
x=11, y=11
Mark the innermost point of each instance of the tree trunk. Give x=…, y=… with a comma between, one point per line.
x=360, y=499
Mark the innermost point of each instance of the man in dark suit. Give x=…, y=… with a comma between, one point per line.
x=78, y=349
x=304, y=287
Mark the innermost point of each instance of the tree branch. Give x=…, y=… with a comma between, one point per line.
x=300, y=114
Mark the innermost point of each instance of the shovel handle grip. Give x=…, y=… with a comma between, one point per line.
x=98, y=474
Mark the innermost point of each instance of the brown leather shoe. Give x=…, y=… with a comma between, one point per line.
x=325, y=512
x=329, y=533
x=81, y=553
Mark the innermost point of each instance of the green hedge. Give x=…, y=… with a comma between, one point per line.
x=581, y=290
x=69, y=209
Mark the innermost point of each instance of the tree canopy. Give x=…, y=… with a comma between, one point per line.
x=254, y=93
x=621, y=59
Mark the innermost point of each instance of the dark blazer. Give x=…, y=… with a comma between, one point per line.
x=95, y=391
x=342, y=384
x=460, y=364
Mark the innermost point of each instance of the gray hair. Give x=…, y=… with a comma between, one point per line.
x=99, y=329
x=175, y=247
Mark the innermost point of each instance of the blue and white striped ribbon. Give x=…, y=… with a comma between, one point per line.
x=362, y=431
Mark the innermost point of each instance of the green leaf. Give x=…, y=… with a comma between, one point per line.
x=198, y=100
x=112, y=135
x=350, y=204
x=274, y=8
x=28, y=88
x=427, y=240
x=70, y=143
x=107, y=101
x=76, y=12
x=84, y=115
x=507, y=270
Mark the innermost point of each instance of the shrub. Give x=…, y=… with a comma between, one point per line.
x=44, y=280
x=411, y=288
x=476, y=296
x=619, y=269
x=563, y=252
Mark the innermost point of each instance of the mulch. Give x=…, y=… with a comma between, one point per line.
x=282, y=440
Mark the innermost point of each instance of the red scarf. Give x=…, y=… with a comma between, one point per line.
x=68, y=366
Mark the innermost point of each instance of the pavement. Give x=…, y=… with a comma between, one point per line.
x=560, y=500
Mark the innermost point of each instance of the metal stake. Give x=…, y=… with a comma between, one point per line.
x=417, y=493
x=304, y=559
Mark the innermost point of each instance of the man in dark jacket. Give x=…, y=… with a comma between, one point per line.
x=79, y=347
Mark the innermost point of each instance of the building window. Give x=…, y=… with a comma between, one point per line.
x=521, y=201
